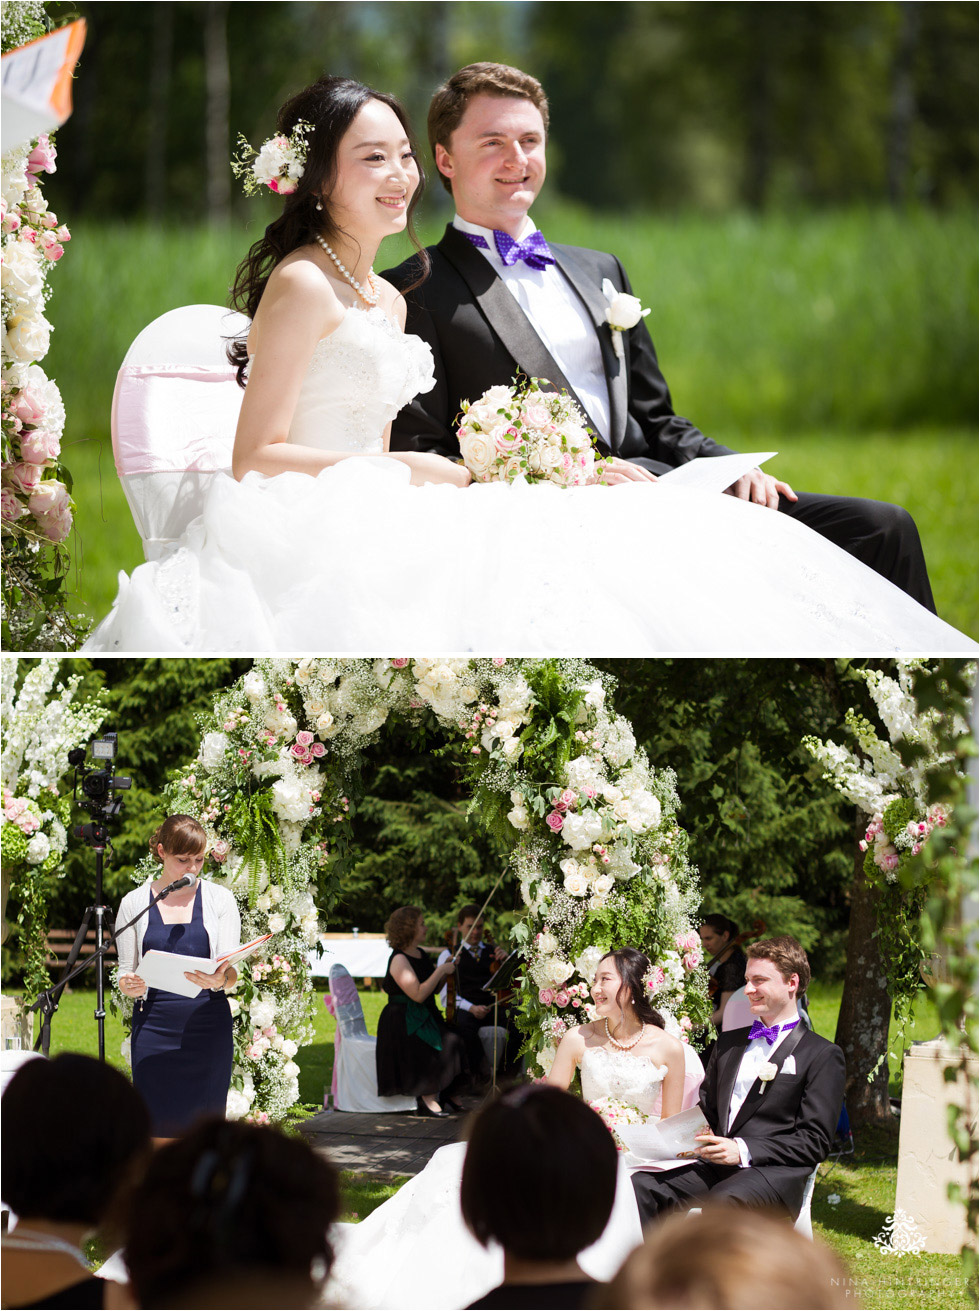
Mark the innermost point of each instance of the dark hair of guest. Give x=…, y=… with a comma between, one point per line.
x=228, y=1198
x=73, y=1131
x=721, y=924
x=556, y=1194
x=631, y=965
x=330, y=106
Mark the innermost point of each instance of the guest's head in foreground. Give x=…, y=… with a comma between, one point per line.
x=231, y=1215
x=777, y=972
x=488, y=125
x=74, y=1131
x=729, y=1257
x=618, y=989
x=556, y=1193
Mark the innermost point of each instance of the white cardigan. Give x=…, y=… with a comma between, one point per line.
x=219, y=910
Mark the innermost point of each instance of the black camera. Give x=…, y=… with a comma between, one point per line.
x=99, y=783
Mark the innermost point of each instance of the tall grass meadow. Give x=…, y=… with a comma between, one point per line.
x=845, y=340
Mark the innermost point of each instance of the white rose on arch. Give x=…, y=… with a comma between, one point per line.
x=253, y=685
x=580, y=831
x=214, y=748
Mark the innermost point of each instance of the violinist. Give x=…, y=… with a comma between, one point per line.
x=474, y=1017
x=725, y=959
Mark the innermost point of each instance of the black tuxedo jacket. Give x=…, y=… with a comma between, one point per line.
x=788, y=1124
x=480, y=337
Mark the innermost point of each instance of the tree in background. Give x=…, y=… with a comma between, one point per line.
x=672, y=104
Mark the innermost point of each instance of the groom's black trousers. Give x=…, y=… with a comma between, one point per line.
x=659, y=1192
x=880, y=535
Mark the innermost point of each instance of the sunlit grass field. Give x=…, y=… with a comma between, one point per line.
x=846, y=341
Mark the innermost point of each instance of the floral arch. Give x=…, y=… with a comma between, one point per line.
x=590, y=828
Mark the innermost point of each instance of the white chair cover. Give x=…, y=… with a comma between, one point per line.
x=737, y=1013
x=355, y=1072
x=174, y=413
x=493, y=1038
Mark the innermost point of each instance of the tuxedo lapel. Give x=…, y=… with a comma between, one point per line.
x=728, y=1064
x=573, y=262
x=758, y=1089
x=503, y=313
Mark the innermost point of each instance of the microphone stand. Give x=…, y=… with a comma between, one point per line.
x=47, y=1001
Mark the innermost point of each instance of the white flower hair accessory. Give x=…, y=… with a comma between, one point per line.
x=624, y=312
x=278, y=165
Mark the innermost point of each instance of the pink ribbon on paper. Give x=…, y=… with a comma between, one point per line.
x=331, y=1006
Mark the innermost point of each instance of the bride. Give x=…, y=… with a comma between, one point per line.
x=415, y=1250
x=324, y=539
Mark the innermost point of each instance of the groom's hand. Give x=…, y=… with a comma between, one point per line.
x=616, y=471
x=718, y=1151
x=761, y=488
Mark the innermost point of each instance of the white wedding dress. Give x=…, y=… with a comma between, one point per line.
x=415, y=1251
x=358, y=560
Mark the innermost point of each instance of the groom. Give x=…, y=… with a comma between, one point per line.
x=772, y=1094
x=500, y=299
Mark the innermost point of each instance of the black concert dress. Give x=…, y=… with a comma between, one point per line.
x=418, y=1053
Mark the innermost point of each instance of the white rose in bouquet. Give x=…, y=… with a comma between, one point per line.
x=602, y=885
x=263, y=903
x=576, y=883
x=325, y=725
x=546, y=943
x=214, y=748
x=519, y=818
x=581, y=831
x=254, y=687
x=38, y=849
x=550, y=971
x=478, y=452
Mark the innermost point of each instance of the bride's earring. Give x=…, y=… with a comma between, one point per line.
x=319, y=205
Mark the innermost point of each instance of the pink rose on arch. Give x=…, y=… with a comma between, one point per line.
x=26, y=407
x=23, y=477
x=555, y=821
x=400, y=662
x=569, y=797
x=219, y=852
x=39, y=447
x=11, y=509
x=51, y=248
x=317, y=750
x=49, y=497
x=300, y=753
x=27, y=822
x=546, y=996
x=42, y=157
x=304, y=738
x=561, y=998
x=691, y=960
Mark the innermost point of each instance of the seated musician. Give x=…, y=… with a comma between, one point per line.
x=474, y=1003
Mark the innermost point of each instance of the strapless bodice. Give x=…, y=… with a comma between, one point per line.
x=628, y=1078
x=358, y=379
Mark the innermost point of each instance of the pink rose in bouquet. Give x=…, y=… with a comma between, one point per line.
x=42, y=157
x=55, y=526
x=49, y=497
x=23, y=477
x=40, y=447
x=11, y=507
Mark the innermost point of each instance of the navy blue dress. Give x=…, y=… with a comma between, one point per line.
x=182, y=1046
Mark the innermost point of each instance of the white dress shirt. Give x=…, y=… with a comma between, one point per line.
x=461, y=1003
x=560, y=319
x=757, y=1054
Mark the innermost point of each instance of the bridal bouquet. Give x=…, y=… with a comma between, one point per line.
x=615, y=1113
x=523, y=432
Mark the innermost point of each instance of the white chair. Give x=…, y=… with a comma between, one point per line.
x=355, y=1077
x=174, y=413
x=803, y=1225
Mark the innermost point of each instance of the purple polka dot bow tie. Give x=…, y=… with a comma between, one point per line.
x=759, y=1030
x=533, y=250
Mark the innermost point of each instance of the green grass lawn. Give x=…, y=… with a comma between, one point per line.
x=864, y=1183
x=846, y=341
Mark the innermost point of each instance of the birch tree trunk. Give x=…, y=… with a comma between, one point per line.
x=218, y=87
x=862, y=1026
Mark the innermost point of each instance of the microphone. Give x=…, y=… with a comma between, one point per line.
x=185, y=882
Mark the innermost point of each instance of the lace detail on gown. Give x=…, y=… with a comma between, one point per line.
x=379, y=369
x=628, y=1078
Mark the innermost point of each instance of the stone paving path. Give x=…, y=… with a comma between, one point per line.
x=383, y=1145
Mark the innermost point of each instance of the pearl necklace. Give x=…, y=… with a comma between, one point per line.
x=623, y=1046
x=370, y=297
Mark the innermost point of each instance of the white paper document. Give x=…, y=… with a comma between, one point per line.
x=665, y=1142
x=165, y=970
x=713, y=473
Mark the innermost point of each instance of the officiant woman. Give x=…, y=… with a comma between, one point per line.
x=181, y=1046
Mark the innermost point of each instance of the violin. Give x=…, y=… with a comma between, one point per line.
x=747, y=935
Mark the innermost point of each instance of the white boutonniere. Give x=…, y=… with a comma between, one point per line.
x=624, y=312
x=767, y=1073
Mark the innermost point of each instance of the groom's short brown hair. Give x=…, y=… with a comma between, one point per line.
x=450, y=100
x=786, y=954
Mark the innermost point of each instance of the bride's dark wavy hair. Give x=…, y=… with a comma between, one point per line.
x=330, y=106
x=631, y=965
